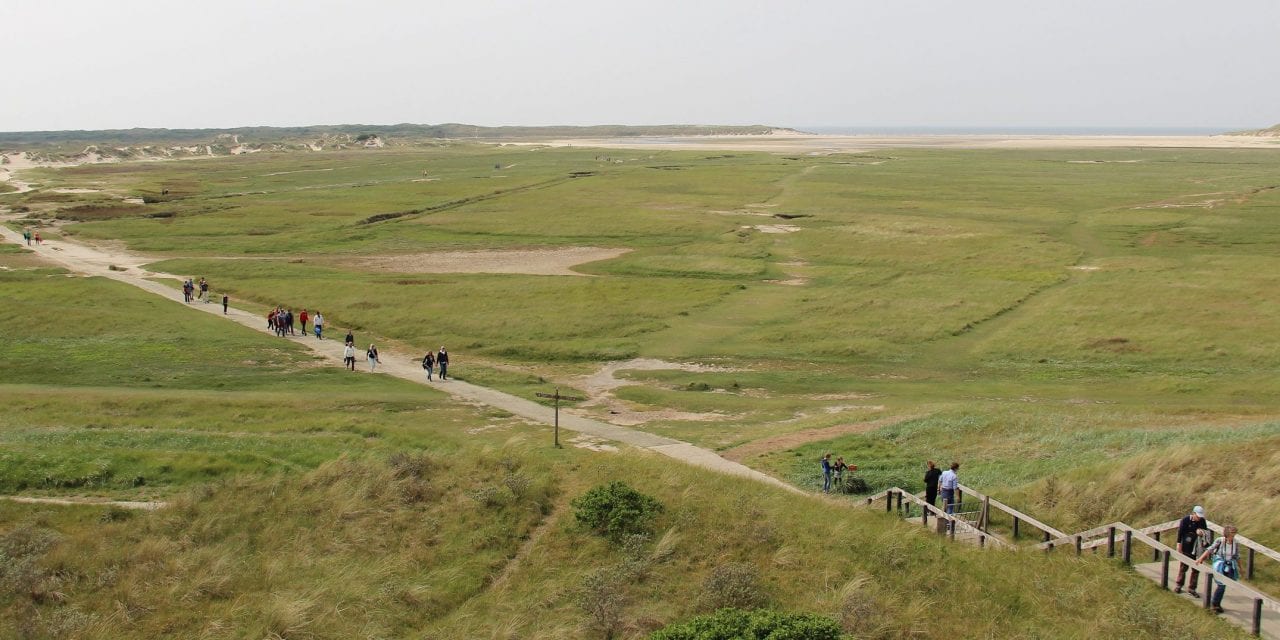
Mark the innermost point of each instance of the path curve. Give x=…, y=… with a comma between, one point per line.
x=98, y=262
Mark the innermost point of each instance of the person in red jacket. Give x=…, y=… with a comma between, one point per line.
x=304, y=318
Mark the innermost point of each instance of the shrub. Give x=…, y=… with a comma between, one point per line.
x=735, y=585
x=602, y=598
x=762, y=624
x=616, y=510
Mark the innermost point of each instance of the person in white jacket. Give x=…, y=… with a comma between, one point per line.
x=349, y=356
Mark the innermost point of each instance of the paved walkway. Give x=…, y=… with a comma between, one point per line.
x=98, y=262
x=1239, y=608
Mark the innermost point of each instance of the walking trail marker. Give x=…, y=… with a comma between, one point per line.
x=557, y=397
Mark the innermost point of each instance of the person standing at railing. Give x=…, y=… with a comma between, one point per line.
x=1226, y=561
x=948, y=482
x=1191, y=543
x=931, y=477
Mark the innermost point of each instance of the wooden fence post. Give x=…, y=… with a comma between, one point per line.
x=986, y=513
x=1128, y=546
x=1111, y=542
x=1257, y=616
x=1249, y=568
x=1164, y=571
x=1208, y=587
x=1079, y=543
x=888, y=502
x=924, y=517
x=1015, y=527
x=1155, y=553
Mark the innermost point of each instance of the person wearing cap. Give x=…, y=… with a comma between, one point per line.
x=1191, y=543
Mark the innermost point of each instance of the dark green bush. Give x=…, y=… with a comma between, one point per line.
x=616, y=510
x=761, y=624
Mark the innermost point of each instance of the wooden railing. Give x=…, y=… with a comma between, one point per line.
x=1117, y=537
x=952, y=524
x=1166, y=555
x=1018, y=517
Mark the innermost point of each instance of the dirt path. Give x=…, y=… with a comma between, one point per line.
x=124, y=504
x=97, y=262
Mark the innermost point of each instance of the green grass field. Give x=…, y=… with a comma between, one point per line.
x=1086, y=331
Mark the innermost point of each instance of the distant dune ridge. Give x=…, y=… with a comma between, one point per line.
x=1272, y=131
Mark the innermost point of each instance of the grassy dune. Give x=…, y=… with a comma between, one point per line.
x=1084, y=330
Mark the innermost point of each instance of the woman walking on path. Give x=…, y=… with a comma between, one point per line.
x=442, y=359
x=303, y=318
x=1226, y=560
x=319, y=322
x=349, y=357
x=428, y=361
x=372, y=355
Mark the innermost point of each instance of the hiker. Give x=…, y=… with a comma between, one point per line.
x=948, y=482
x=186, y=290
x=303, y=318
x=204, y=290
x=26, y=235
x=442, y=361
x=288, y=321
x=826, y=472
x=1226, y=560
x=224, y=304
x=372, y=355
x=428, y=361
x=350, y=338
x=349, y=356
x=931, y=477
x=38, y=240
x=1193, y=534
x=319, y=326
x=838, y=472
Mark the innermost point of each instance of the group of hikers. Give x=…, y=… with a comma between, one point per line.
x=280, y=321
x=29, y=236
x=192, y=291
x=1195, y=540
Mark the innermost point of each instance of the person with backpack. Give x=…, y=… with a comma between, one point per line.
x=1191, y=543
x=1226, y=561
x=372, y=355
x=428, y=361
x=351, y=339
x=826, y=472
x=442, y=361
x=349, y=357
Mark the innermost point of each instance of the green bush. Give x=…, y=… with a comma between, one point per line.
x=761, y=624
x=616, y=510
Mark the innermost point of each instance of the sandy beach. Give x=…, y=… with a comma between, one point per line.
x=820, y=144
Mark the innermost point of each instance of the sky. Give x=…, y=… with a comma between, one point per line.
x=72, y=64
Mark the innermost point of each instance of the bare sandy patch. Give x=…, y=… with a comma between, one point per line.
x=600, y=385
x=1085, y=267
x=592, y=443
x=773, y=228
x=542, y=262
x=75, y=190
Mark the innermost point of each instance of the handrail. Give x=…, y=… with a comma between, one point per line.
x=1011, y=511
x=941, y=514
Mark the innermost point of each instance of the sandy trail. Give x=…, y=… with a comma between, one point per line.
x=124, y=504
x=542, y=262
x=600, y=385
x=95, y=261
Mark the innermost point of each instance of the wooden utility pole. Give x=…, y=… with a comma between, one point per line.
x=557, y=397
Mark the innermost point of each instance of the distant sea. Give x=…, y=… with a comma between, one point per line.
x=1020, y=131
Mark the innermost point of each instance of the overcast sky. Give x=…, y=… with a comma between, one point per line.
x=944, y=63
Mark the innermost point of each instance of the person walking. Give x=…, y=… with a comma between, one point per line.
x=826, y=472
x=26, y=235
x=1191, y=543
x=372, y=355
x=442, y=361
x=319, y=326
x=931, y=476
x=225, y=300
x=948, y=482
x=351, y=339
x=288, y=321
x=349, y=357
x=303, y=318
x=204, y=290
x=1226, y=561
x=428, y=361
x=38, y=240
